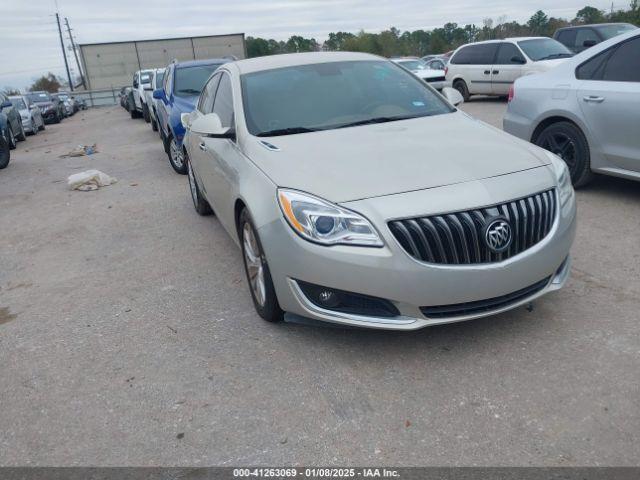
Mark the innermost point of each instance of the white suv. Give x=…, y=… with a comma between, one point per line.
x=491, y=67
x=141, y=82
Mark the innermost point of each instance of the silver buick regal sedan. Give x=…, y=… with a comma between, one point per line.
x=329, y=171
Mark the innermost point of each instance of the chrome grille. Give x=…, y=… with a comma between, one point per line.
x=458, y=238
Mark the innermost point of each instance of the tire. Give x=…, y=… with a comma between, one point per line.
x=568, y=142
x=5, y=155
x=134, y=113
x=21, y=136
x=461, y=86
x=176, y=156
x=261, y=287
x=57, y=118
x=145, y=113
x=132, y=107
x=154, y=123
x=201, y=205
x=12, y=139
x=42, y=127
x=34, y=128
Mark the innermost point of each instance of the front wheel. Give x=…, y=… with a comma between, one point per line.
x=461, y=86
x=199, y=202
x=34, y=128
x=176, y=156
x=568, y=142
x=257, y=270
x=22, y=136
x=4, y=153
x=145, y=113
x=12, y=139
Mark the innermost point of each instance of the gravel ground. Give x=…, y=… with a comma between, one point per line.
x=128, y=337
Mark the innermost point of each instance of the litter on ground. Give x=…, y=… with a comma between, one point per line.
x=81, y=150
x=89, y=180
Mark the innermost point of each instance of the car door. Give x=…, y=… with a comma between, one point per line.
x=609, y=97
x=508, y=66
x=479, y=71
x=163, y=116
x=222, y=157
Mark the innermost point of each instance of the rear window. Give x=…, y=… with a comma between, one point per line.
x=544, y=49
x=18, y=103
x=39, y=97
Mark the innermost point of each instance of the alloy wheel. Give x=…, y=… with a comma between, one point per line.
x=255, y=267
x=177, y=156
x=563, y=146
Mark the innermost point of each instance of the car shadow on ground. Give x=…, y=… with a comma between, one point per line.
x=612, y=187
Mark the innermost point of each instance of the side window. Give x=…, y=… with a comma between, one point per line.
x=223, y=104
x=508, y=54
x=586, y=35
x=462, y=57
x=135, y=80
x=624, y=63
x=567, y=38
x=205, y=104
x=482, y=54
x=165, y=81
x=592, y=68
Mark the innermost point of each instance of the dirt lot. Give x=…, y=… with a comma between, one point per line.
x=128, y=337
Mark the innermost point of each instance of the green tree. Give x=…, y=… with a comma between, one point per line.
x=11, y=91
x=590, y=15
x=337, y=40
x=297, y=44
x=538, y=23
x=49, y=83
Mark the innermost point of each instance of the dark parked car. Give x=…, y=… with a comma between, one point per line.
x=14, y=121
x=5, y=142
x=581, y=37
x=52, y=108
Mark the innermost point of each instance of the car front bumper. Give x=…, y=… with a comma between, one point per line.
x=26, y=125
x=390, y=273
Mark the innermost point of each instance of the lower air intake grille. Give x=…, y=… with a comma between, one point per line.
x=481, y=306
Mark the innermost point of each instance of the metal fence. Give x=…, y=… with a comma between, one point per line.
x=99, y=98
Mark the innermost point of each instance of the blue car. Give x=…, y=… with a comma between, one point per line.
x=181, y=86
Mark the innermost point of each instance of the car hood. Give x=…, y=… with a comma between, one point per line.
x=374, y=160
x=185, y=104
x=546, y=65
x=429, y=73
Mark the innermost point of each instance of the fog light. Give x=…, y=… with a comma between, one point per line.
x=328, y=298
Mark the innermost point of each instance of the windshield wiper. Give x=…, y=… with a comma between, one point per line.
x=192, y=91
x=373, y=120
x=286, y=131
x=556, y=55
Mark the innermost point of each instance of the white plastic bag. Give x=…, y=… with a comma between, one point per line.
x=89, y=180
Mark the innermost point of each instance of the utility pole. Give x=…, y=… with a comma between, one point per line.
x=75, y=53
x=64, y=55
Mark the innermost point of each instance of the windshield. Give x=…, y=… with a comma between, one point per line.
x=39, y=97
x=145, y=77
x=190, y=80
x=544, y=49
x=325, y=96
x=18, y=103
x=610, y=31
x=413, y=64
x=159, y=79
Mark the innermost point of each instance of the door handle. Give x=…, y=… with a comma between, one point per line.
x=495, y=72
x=487, y=72
x=593, y=99
x=202, y=146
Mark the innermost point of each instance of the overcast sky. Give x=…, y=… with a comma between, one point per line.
x=29, y=43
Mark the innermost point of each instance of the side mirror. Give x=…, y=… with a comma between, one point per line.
x=589, y=43
x=158, y=94
x=210, y=125
x=452, y=95
x=518, y=60
x=6, y=104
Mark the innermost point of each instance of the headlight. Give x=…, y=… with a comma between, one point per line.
x=322, y=222
x=565, y=188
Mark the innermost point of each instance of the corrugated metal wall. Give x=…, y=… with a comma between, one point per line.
x=109, y=65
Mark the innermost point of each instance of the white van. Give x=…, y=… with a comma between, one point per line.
x=491, y=67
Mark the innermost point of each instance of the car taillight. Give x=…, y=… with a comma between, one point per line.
x=446, y=70
x=512, y=92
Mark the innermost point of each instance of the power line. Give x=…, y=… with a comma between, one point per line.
x=75, y=53
x=64, y=54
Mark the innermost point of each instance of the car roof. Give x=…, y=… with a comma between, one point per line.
x=271, y=62
x=195, y=63
x=592, y=25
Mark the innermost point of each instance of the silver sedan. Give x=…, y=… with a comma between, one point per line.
x=328, y=171
x=587, y=110
x=30, y=114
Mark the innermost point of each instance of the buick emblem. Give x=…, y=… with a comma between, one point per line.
x=497, y=235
